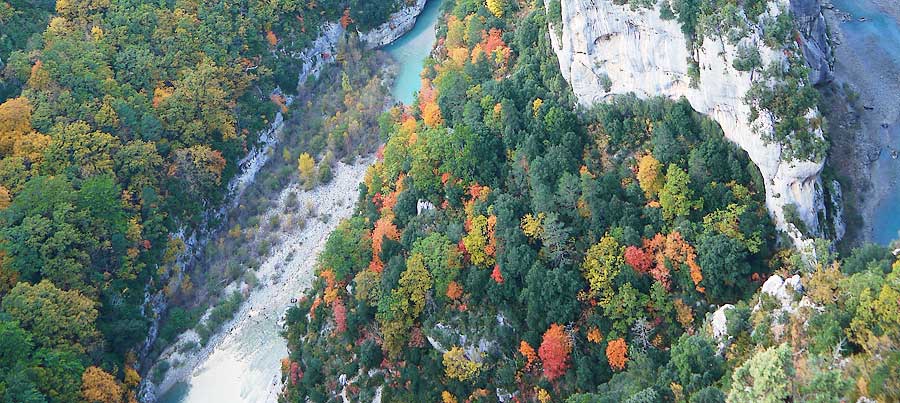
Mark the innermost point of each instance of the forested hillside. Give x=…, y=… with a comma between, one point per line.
x=19, y=21
x=124, y=123
x=509, y=245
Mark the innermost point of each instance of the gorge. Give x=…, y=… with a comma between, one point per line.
x=242, y=363
x=456, y=201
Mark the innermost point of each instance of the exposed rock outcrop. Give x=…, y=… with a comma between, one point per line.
x=400, y=23
x=814, y=40
x=719, y=322
x=642, y=53
x=783, y=291
x=325, y=46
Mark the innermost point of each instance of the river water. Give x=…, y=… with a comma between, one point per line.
x=245, y=366
x=411, y=50
x=874, y=36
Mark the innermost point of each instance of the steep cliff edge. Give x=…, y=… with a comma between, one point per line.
x=605, y=49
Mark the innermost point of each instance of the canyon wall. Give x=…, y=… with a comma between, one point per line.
x=642, y=53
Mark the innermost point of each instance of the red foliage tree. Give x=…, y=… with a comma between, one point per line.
x=340, y=316
x=496, y=275
x=554, y=352
x=639, y=260
x=296, y=373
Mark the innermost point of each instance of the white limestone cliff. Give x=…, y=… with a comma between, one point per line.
x=400, y=23
x=320, y=53
x=642, y=53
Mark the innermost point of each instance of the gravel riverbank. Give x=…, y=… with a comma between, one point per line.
x=241, y=363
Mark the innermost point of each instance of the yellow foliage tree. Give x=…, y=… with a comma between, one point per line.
x=533, y=226
x=496, y=7
x=458, y=366
x=684, y=314
x=478, y=241
x=16, y=135
x=415, y=282
x=431, y=114
x=456, y=33
x=307, y=166
x=601, y=265
x=5, y=198
x=650, y=176
x=132, y=378
x=459, y=56
x=15, y=120
x=536, y=106
x=542, y=395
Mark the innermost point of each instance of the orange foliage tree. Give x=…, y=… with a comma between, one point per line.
x=99, y=386
x=384, y=228
x=616, y=352
x=675, y=250
x=595, y=335
x=431, y=114
x=528, y=352
x=454, y=291
x=554, y=351
x=345, y=19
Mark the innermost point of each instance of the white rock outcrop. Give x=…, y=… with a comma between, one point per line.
x=400, y=23
x=642, y=53
x=323, y=49
x=719, y=322
x=783, y=290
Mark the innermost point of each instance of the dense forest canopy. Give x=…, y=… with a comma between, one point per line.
x=509, y=245
x=121, y=122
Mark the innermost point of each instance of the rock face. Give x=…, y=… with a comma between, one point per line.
x=783, y=291
x=644, y=54
x=719, y=322
x=400, y=23
x=325, y=46
x=814, y=39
